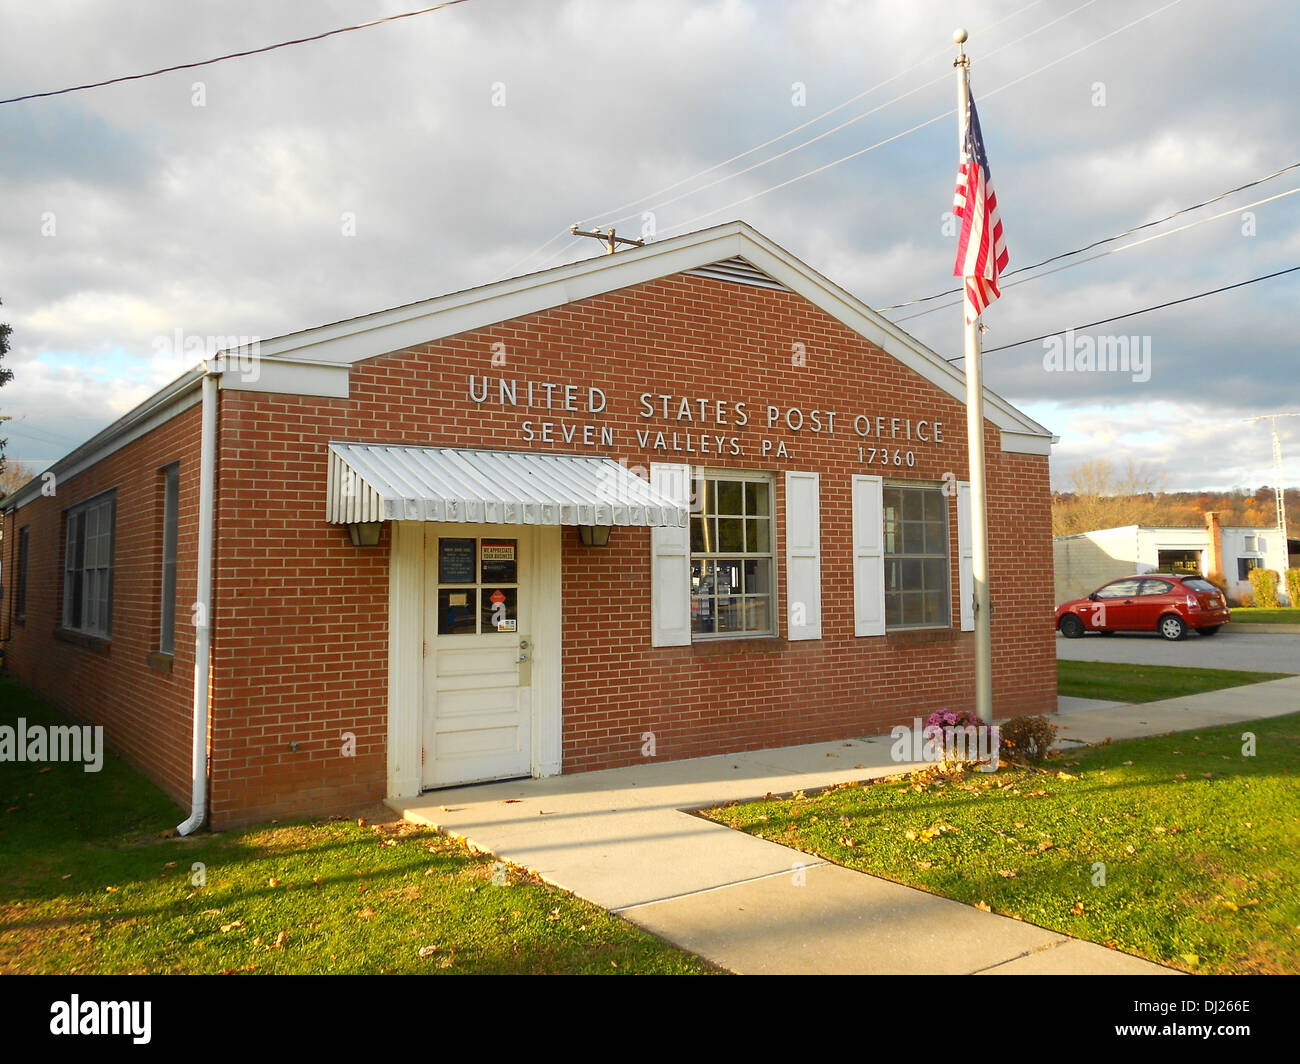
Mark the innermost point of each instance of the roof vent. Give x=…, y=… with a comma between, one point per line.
x=738, y=271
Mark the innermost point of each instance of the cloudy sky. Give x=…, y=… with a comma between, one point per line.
x=280, y=191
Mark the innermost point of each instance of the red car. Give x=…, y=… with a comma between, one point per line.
x=1152, y=602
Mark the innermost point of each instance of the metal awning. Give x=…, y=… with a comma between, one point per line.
x=376, y=482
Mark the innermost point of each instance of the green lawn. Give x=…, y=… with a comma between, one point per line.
x=1119, y=682
x=90, y=884
x=1198, y=843
x=1258, y=615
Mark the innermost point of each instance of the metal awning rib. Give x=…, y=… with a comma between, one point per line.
x=379, y=482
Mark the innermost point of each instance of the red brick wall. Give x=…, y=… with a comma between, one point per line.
x=146, y=714
x=301, y=615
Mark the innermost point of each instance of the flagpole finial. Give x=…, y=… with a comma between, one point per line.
x=959, y=35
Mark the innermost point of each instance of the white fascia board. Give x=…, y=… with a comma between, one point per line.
x=1027, y=443
x=289, y=376
x=158, y=409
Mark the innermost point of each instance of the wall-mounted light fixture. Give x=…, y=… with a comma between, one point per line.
x=594, y=535
x=365, y=534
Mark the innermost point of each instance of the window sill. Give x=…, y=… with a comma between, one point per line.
x=908, y=637
x=159, y=662
x=726, y=644
x=94, y=643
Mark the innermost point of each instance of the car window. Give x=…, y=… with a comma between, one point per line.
x=1156, y=587
x=1197, y=584
x=1119, y=589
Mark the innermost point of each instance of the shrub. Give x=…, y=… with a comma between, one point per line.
x=1216, y=578
x=1264, y=583
x=1027, y=738
x=1293, y=586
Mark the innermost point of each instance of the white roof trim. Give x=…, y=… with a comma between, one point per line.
x=386, y=331
x=377, y=482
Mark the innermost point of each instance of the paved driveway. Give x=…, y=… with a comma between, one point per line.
x=1232, y=648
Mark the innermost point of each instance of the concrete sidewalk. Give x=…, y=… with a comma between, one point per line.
x=622, y=839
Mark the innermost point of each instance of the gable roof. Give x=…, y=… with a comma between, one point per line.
x=733, y=251
x=316, y=361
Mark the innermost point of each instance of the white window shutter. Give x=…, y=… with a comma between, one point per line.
x=965, y=555
x=670, y=562
x=803, y=555
x=868, y=555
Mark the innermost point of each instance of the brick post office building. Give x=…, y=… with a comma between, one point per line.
x=686, y=499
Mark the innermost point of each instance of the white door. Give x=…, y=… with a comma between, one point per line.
x=478, y=653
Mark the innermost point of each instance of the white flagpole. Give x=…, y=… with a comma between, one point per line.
x=975, y=445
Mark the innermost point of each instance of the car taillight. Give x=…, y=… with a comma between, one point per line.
x=1193, y=603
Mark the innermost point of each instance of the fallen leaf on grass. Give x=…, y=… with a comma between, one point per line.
x=366, y=913
x=428, y=951
x=983, y=907
x=846, y=841
x=1008, y=873
x=280, y=939
x=554, y=914
x=1045, y=844
x=237, y=925
x=273, y=882
x=1076, y=909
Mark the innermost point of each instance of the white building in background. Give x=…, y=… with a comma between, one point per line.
x=1086, y=560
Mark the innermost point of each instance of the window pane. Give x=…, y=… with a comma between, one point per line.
x=500, y=609
x=756, y=499
x=758, y=577
x=936, y=539
x=936, y=607
x=731, y=535
x=893, y=610
x=912, y=574
x=456, y=560
x=731, y=614
x=703, y=613
x=756, y=614
x=730, y=497
x=913, y=506
x=758, y=536
x=456, y=612
x=935, y=506
x=913, y=537
x=935, y=574
x=500, y=561
x=700, y=535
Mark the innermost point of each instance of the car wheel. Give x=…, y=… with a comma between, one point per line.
x=1212, y=630
x=1172, y=628
x=1071, y=627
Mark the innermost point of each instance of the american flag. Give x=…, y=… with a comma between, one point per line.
x=981, y=253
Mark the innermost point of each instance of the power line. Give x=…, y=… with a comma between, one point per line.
x=795, y=129
x=1115, y=251
x=1135, y=313
x=232, y=55
x=1103, y=240
x=922, y=125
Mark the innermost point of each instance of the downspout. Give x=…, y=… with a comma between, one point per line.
x=203, y=609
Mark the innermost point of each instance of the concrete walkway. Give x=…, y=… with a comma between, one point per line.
x=622, y=839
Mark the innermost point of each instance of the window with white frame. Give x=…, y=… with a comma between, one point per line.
x=732, y=572
x=167, y=605
x=917, y=576
x=1251, y=543
x=88, y=567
